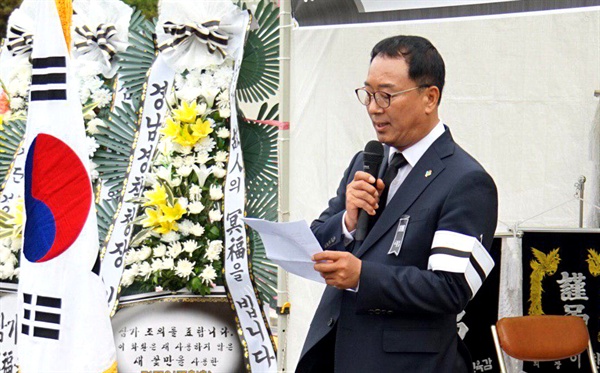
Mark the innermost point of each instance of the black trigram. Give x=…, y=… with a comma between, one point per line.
x=49, y=79
x=41, y=316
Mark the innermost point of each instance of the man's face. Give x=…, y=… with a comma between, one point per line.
x=405, y=121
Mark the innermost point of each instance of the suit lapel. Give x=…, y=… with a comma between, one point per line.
x=424, y=173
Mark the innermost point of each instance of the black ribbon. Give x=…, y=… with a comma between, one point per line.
x=100, y=38
x=19, y=41
x=207, y=33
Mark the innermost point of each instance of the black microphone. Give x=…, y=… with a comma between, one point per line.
x=372, y=157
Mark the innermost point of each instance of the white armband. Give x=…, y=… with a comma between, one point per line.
x=459, y=253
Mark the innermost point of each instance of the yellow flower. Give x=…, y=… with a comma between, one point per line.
x=186, y=138
x=153, y=217
x=156, y=196
x=166, y=227
x=201, y=129
x=1, y=124
x=186, y=114
x=171, y=128
x=171, y=214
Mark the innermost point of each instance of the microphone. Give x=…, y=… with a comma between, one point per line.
x=372, y=157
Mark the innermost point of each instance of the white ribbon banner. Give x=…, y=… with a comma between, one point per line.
x=261, y=353
x=118, y=238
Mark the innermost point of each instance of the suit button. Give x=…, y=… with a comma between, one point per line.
x=330, y=322
x=377, y=311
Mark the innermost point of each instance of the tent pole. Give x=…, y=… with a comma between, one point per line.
x=285, y=24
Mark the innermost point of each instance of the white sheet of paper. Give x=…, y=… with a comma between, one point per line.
x=289, y=245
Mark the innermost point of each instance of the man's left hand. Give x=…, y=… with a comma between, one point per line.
x=340, y=269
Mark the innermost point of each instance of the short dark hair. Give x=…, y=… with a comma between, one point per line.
x=425, y=64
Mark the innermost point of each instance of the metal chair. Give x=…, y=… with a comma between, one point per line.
x=542, y=338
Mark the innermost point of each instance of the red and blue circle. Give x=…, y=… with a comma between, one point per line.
x=58, y=198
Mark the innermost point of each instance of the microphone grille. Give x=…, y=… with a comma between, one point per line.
x=373, y=152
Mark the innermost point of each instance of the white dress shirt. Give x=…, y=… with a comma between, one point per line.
x=412, y=156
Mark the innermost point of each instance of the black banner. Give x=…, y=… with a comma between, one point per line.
x=338, y=12
x=480, y=314
x=560, y=277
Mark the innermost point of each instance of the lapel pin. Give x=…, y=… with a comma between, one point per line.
x=428, y=173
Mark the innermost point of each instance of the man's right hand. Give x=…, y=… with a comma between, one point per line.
x=361, y=194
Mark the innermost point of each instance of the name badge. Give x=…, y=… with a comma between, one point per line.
x=399, y=236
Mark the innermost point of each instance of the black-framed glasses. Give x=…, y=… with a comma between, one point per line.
x=382, y=99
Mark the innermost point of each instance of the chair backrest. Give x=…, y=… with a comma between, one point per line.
x=542, y=338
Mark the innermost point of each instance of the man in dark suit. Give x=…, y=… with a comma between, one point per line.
x=392, y=300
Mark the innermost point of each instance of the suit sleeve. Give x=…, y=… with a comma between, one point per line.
x=327, y=228
x=468, y=215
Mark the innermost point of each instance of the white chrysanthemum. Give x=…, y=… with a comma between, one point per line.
x=16, y=243
x=159, y=250
x=16, y=103
x=183, y=202
x=102, y=97
x=177, y=162
x=181, y=149
x=185, y=226
x=5, y=253
x=7, y=270
x=195, y=207
x=175, y=249
x=184, y=268
x=91, y=144
x=223, y=133
x=145, y=270
x=144, y=253
x=157, y=265
x=197, y=230
x=190, y=246
x=216, y=192
x=221, y=156
x=224, y=112
x=89, y=115
x=218, y=172
x=207, y=80
x=92, y=125
x=215, y=215
x=175, y=182
x=168, y=263
x=170, y=237
x=214, y=250
x=184, y=171
x=189, y=93
x=195, y=192
x=94, y=174
x=223, y=104
x=223, y=76
x=190, y=160
x=208, y=275
x=202, y=157
x=206, y=144
x=131, y=257
x=128, y=276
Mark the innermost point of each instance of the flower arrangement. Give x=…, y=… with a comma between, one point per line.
x=14, y=93
x=180, y=232
x=96, y=96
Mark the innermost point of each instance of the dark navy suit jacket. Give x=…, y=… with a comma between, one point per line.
x=403, y=317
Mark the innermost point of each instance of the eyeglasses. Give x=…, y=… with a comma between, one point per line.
x=382, y=99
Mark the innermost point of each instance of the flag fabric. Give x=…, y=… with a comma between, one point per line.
x=64, y=326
